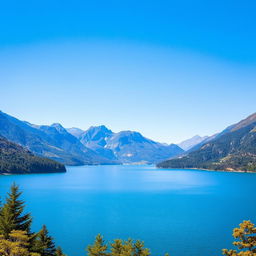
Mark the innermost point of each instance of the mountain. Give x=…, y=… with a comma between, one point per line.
x=75, y=131
x=53, y=141
x=132, y=147
x=96, y=138
x=200, y=144
x=190, y=143
x=15, y=159
x=97, y=145
x=125, y=146
x=234, y=149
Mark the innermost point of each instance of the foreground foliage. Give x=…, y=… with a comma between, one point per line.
x=246, y=240
x=16, y=238
x=118, y=247
x=16, y=245
x=12, y=216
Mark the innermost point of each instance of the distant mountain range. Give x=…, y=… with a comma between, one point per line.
x=95, y=138
x=15, y=159
x=190, y=143
x=53, y=141
x=234, y=149
x=97, y=145
x=125, y=146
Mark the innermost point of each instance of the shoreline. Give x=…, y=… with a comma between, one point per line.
x=161, y=168
x=8, y=174
x=208, y=170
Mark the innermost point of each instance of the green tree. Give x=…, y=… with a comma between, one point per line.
x=12, y=215
x=15, y=236
x=16, y=245
x=44, y=244
x=59, y=252
x=117, y=247
x=246, y=240
x=122, y=248
x=128, y=247
x=139, y=249
x=99, y=248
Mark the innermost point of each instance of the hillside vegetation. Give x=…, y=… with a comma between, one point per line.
x=17, y=238
x=232, y=150
x=15, y=159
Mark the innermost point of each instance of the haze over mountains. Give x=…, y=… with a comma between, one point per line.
x=232, y=149
x=97, y=145
x=190, y=143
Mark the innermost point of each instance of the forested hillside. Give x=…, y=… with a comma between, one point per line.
x=15, y=159
x=232, y=150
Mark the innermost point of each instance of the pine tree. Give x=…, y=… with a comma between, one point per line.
x=16, y=245
x=246, y=234
x=117, y=247
x=122, y=248
x=99, y=248
x=139, y=249
x=128, y=247
x=44, y=244
x=59, y=252
x=12, y=215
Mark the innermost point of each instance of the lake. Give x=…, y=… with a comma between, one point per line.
x=183, y=212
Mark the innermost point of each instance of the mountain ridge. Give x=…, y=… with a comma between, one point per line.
x=53, y=141
x=126, y=146
x=234, y=149
x=191, y=142
x=14, y=159
x=96, y=145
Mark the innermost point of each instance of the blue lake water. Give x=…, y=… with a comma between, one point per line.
x=182, y=212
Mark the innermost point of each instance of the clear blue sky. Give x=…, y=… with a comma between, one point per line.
x=169, y=69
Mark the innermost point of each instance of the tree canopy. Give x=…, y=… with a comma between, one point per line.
x=245, y=236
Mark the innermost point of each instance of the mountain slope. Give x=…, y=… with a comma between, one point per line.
x=16, y=159
x=190, y=143
x=232, y=149
x=97, y=145
x=75, y=131
x=96, y=138
x=125, y=146
x=132, y=147
x=199, y=145
x=48, y=141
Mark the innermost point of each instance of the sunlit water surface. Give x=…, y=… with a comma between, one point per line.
x=182, y=212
